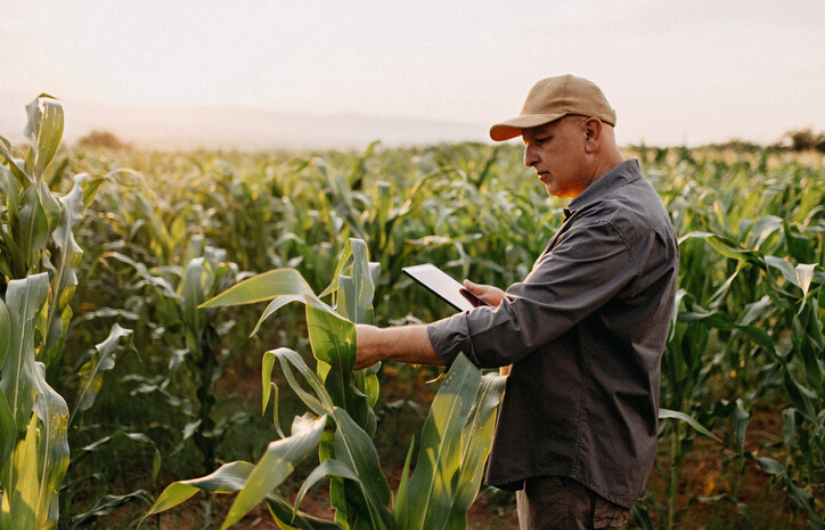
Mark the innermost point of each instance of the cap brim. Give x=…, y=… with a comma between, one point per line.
x=512, y=128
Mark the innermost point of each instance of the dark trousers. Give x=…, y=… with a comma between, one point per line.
x=561, y=503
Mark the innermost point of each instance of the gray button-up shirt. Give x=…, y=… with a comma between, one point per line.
x=585, y=332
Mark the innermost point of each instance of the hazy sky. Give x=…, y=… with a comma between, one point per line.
x=676, y=71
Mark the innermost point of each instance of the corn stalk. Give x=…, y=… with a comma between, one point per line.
x=454, y=445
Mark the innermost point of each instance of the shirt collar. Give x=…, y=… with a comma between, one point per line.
x=621, y=174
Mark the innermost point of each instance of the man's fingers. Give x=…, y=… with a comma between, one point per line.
x=488, y=293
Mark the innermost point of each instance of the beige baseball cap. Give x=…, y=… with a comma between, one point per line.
x=554, y=98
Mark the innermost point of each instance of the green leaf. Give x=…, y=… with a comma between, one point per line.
x=333, y=342
x=747, y=518
x=673, y=414
x=355, y=448
x=282, y=512
x=357, y=290
x=92, y=375
x=52, y=449
x=740, y=423
x=344, y=262
x=44, y=129
x=20, y=484
x=400, y=501
x=805, y=275
x=266, y=286
x=321, y=403
x=433, y=486
x=328, y=468
x=726, y=247
x=5, y=331
x=227, y=479
x=197, y=279
x=34, y=226
x=274, y=306
x=275, y=465
x=18, y=172
x=24, y=299
x=477, y=438
x=8, y=431
x=106, y=506
x=803, y=399
x=784, y=267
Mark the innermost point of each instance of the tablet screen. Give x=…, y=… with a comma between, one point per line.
x=444, y=286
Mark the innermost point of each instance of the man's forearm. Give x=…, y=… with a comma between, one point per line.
x=408, y=344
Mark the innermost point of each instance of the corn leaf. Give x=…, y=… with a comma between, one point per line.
x=197, y=279
x=20, y=484
x=477, y=437
x=44, y=129
x=92, y=370
x=5, y=331
x=24, y=299
x=65, y=261
x=328, y=468
x=287, y=519
x=356, y=291
x=665, y=414
x=354, y=447
x=275, y=465
x=34, y=227
x=266, y=286
x=8, y=431
x=434, y=484
x=52, y=449
x=320, y=403
x=227, y=479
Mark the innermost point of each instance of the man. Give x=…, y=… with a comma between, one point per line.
x=584, y=332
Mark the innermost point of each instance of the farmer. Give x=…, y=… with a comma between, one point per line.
x=584, y=332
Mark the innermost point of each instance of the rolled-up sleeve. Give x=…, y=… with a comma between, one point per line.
x=583, y=268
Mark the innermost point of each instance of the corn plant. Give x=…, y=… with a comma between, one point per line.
x=38, y=260
x=454, y=443
x=177, y=293
x=745, y=338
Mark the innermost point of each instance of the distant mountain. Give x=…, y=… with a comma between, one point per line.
x=244, y=128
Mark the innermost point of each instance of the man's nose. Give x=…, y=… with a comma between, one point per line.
x=530, y=157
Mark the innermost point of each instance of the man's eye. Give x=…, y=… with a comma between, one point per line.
x=541, y=140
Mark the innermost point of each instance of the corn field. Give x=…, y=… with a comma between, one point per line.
x=151, y=354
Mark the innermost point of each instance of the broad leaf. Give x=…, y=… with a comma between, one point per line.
x=44, y=129
x=354, y=447
x=674, y=414
x=433, y=487
x=288, y=519
x=275, y=465
x=320, y=403
x=20, y=484
x=52, y=449
x=92, y=370
x=477, y=438
x=227, y=479
x=65, y=261
x=24, y=299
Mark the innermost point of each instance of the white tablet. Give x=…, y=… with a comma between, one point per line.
x=444, y=286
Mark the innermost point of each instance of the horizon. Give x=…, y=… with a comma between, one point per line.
x=161, y=74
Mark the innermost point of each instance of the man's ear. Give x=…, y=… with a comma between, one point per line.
x=593, y=130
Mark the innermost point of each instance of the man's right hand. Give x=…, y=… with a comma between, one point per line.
x=491, y=295
x=488, y=293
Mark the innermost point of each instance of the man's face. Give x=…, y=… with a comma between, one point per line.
x=556, y=151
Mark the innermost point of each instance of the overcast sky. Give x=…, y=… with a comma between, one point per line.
x=677, y=72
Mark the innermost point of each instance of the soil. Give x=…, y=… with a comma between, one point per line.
x=708, y=470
